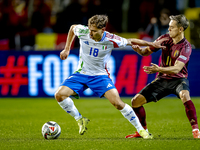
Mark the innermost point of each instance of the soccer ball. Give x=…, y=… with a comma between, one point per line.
x=51, y=130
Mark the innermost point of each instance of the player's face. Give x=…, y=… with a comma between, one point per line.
x=95, y=33
x=174, y=30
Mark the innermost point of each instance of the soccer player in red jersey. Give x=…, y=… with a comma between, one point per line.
x=172, y=74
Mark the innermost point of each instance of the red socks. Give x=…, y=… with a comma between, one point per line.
x=191, y=114
x=140, y=112
x=189, y=109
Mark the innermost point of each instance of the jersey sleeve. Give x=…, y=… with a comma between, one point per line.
x=122, y=43
x=185, y=54
x=118, y=42
x=81, y=30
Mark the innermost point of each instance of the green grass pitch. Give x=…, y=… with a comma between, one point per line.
x=22, y=120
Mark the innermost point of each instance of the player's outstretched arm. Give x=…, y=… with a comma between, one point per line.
x=156, y=44
x=70, y=37
x=139, y=42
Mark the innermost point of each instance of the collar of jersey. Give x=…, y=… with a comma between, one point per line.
x=181, y=41
x=103, y=37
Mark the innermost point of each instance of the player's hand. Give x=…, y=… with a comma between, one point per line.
x=157, y=44
x=64, y=54
x=151, y=69
x=136, y=48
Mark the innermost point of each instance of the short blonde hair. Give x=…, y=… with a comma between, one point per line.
x=99, y=20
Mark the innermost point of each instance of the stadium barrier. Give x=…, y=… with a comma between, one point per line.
x=39, y=73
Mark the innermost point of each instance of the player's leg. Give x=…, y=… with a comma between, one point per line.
x=103, y=86
x=137, y=105
x=146, y=95
x=190, y=112
x=72, y=86
x=113, y=96
x=182, y=91
x=66, y=103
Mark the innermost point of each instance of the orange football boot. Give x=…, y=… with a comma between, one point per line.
x=134, y=135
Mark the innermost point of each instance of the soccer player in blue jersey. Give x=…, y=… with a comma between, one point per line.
x=96, y=45
x=172, y=74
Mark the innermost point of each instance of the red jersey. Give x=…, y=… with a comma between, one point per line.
x=180, y=51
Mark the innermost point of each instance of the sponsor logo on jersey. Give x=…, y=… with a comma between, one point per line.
x=176, y=53
x=86, y=42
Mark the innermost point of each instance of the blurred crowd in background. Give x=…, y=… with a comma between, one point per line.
x=22, y=20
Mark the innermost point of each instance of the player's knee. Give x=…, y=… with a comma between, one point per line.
x=138, y=101
x=134, y=102
x=184, y=95
x=59, y=97
x=181, y=95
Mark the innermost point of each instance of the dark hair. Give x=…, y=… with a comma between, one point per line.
x=181, y=21
x=99, y=20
